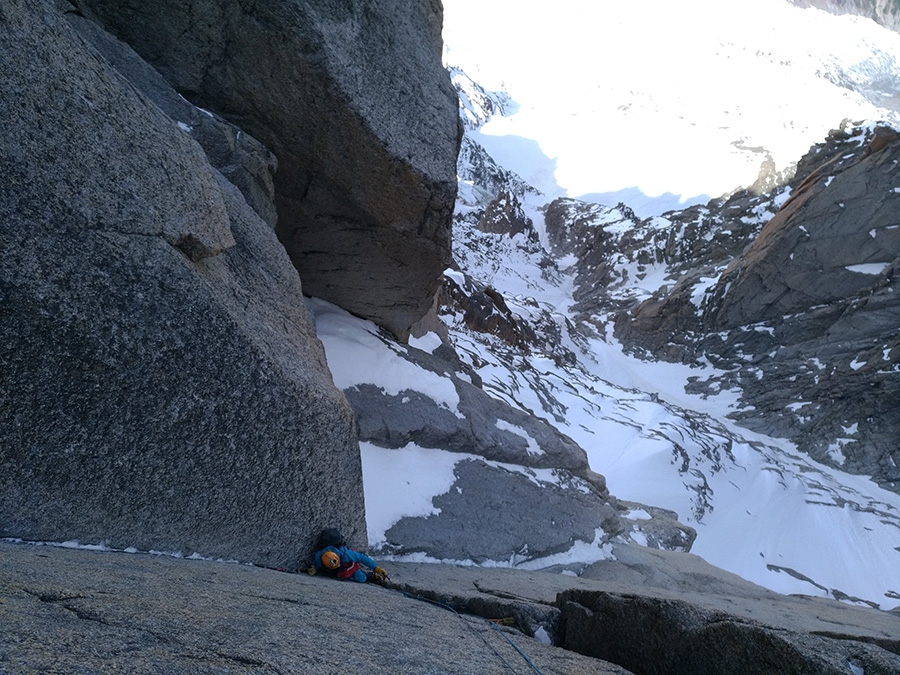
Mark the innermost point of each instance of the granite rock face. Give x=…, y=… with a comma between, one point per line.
x=161, y=384
x=642, y=612
x=156, y=614
x=663, y=612
x=354, y=103
x=828, y=243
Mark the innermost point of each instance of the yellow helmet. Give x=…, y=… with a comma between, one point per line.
x=330, y=560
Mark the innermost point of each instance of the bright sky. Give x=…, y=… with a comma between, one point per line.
x=660, y=95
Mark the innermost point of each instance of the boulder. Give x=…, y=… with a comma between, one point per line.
x=357, y=108
x=664, y=612
x=161, y=385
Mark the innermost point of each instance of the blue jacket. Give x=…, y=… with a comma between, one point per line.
x=349, y=558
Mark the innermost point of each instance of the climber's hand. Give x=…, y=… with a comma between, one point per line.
x=311, y=571
x=380, y=572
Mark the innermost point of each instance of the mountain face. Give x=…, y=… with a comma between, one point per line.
x=803, y=320
x=544, y=294
x=169, y=199
x=162, y=385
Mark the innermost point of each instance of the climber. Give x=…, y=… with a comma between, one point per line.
x=343, y=562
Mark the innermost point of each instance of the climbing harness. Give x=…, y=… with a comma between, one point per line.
x=448, y=604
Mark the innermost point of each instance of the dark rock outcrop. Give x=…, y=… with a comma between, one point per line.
x=504, y=215
x=161, y=385
x=485, y=310
x=583, y=230
x=842, y=216
x=354, y=103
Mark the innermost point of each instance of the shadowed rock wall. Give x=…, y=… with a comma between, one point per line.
x=161, y=385
x=353, y=100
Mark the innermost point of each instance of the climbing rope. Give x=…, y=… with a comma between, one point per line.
x=527, y=660
x=447, y=604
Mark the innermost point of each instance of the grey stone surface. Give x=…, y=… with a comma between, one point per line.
x=74, y=611
x=238, y=156
x=492, y=513
x=161, y=385
x=411, y=416
x=67, y=610
x=481, y=425
x=665, y=612
x=355, y=104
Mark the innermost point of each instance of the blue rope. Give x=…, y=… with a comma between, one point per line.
x=497, y=628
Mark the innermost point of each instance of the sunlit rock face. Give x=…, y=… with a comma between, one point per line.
x=353, y=101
